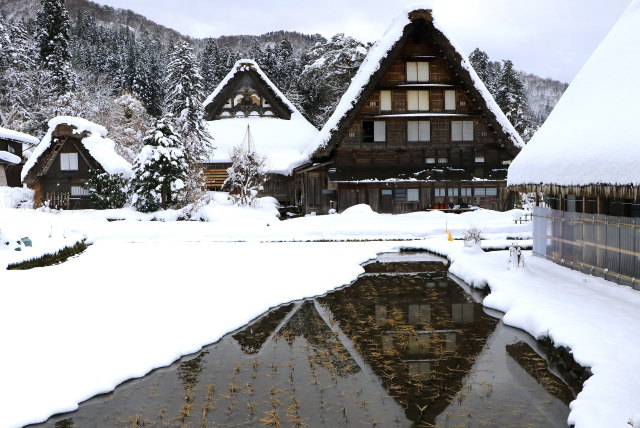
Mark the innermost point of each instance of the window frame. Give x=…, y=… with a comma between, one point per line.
x=422, y=127
x=68, y=161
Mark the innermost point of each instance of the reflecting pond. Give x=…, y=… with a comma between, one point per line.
x=404, y=345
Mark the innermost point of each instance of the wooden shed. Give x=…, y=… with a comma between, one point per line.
x=415, y=130
x=59, y=166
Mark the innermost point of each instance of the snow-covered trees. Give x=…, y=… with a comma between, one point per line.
x=184, y=101
x=106, y=190
x=507, y=88
x=53, y=42
x=160, y=170
x=512, y=99
x=328, y=73
x=247, y=173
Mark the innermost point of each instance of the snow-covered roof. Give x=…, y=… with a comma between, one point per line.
x=372, y=63
x=9, y=134
x=282, y=141
x=9, y=157
x=99, y=147
x=592, y=135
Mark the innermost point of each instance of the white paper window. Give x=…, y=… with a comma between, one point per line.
x=413, y=195
x=440, y=191
x=387, y=192
x=418, y=100
x=69, y=161
x=379, y=130
x=417, y=71
x=465, y=191
x=11, y=149
x=79, y=191
x=450, y=99
x=385, y=100
x=492, y=191
x=429, y=160
x=479, y=158
x=462, y=130
x=228, y=103
x=443, y=160
x=419, y=130
x=452, y=191
x=480, y=191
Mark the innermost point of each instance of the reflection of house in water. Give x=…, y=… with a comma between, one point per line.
x=417, y=331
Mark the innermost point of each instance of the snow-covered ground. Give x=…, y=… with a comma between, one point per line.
x=147, y=292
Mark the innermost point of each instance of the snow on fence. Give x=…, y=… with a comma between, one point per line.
x=600, y=245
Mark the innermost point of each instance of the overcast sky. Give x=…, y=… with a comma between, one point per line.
x=551, y=38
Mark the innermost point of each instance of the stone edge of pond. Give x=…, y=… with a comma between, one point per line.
x=50, y=259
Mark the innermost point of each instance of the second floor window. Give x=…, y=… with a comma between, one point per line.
x=68, y=161
x=418, y=130
x=418, y=100
x=374, y=131
x=462, y=130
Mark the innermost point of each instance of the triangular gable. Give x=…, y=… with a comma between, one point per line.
x=378, y=61
x=246, y=91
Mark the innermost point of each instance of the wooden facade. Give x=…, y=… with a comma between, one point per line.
x=420, y=136
x=10, y=171
x=61, y=171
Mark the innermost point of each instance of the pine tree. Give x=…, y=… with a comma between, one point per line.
x=160, y=170
x=184, y=101
x=53, y=41
x=106, y=191
x=512, y=100
x=247, y=172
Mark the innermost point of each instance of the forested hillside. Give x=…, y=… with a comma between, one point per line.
x=117, y=61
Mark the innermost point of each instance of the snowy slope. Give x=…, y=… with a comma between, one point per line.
x=592, y=136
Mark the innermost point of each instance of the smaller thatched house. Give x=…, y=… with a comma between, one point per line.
x=59, y=166
x=11, y=155
x=246, y=97
x=585, y=160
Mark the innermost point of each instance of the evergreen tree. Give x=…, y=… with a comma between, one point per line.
x=488, y=71
x=106, y=191
x=184, y=101
x=512, y=100
x=53, y=42
x=247, y=172
x=160, y=170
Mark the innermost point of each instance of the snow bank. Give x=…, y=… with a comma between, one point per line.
x=567, y=150
x=378, y=52
x=100, y=147
x=9, y=134
x=13, y=197
x=9, y=157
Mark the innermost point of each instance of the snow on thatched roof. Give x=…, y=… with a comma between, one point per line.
x=282, y=141
x=9, y=134
x=592, y=138
x=374, y=60
x=95, y=141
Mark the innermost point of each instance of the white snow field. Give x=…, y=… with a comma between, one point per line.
x=147, y=292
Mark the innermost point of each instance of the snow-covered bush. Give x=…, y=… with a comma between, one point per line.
x=16, y=197
x=473, y=236
x=160, y=170
x=106, y=190
x=246, y=175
